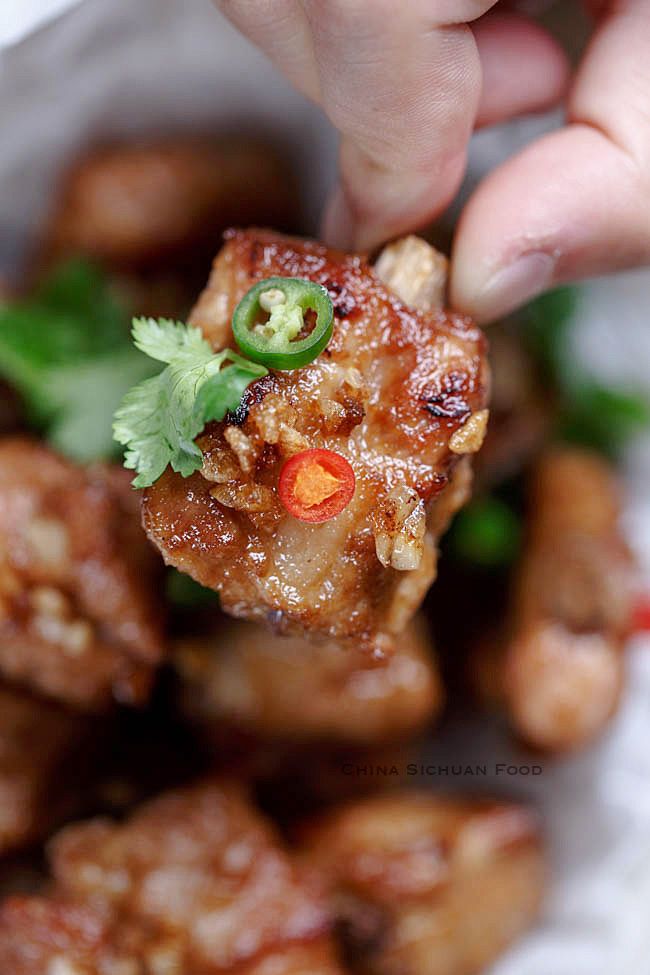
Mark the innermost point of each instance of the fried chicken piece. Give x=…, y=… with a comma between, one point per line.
x=245, y=688
x=40, y=751
x=290, y=690
x=79, y=614
x=194, y=882
x=153, y=213
x=142, y=205
x=560, y=669
x=428, y=886
x=400, y=393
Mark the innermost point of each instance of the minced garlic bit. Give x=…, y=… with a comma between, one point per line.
x=469, y=438
x=354, y=378
x=415, y=271
x=242, y=447
x=290, y=440
x=269, y=299
x=400, y=527
x=244, y=497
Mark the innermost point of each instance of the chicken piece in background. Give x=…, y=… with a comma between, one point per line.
x=80, y=616
x=399, y=393
x=286, y=689
x=153, y=213
x=558, y=667
x=195, y=881
x=297, y=718
x=423, y=885
x=44, y=752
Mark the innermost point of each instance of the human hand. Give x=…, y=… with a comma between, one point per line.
x=406, y=85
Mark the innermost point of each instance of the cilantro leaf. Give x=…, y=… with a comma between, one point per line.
x=66, y=350
x=162, y=339
x=184, y=593
x=217, y=395
x=487, y=532
x=547, y=323
x=85, y=397
x=160, y=418
x=603, y=417
x=590, y=413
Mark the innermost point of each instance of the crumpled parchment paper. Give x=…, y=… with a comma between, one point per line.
x=119, y=67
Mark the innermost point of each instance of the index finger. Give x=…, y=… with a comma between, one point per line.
x=402, y=87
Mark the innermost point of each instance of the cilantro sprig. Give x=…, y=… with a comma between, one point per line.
x=66, y=350
x=159, y=420
x=589, y=412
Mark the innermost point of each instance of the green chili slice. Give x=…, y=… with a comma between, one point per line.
x=269, y=322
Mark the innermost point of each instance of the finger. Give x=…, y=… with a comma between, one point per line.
x=403, y=92
x=280, y=29
x=576, y=203
x=524, y=69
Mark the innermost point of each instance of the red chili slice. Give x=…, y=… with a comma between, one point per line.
x=316, y=485
x=641, y=616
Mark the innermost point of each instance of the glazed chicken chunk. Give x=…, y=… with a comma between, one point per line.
x=195, y=882
x=399, y=393
x=286, y=689
x=152, y=213
x=428, y=886
x=79, y=615
x=142, y=205
x=559, y=668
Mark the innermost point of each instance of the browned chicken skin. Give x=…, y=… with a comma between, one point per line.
x=428, y=886
x=287, y=689
x=194, y=882
x=79, y=616
x=397, y=392
x=560, y=668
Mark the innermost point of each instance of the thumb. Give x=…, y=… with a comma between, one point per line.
x=577, y=202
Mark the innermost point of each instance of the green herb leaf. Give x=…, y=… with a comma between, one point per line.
x=589, y=413
x=487, y=532
x=66, y=350
x=182, y=591
x=546, y=322
x=217, y=395
x=85, y=397
x=602, y=417
x=159, y=420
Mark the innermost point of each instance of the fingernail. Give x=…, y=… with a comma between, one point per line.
x=514, y=285
x=338, y=225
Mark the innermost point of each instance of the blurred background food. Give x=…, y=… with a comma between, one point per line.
x=247, y=798
x=408, y=883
